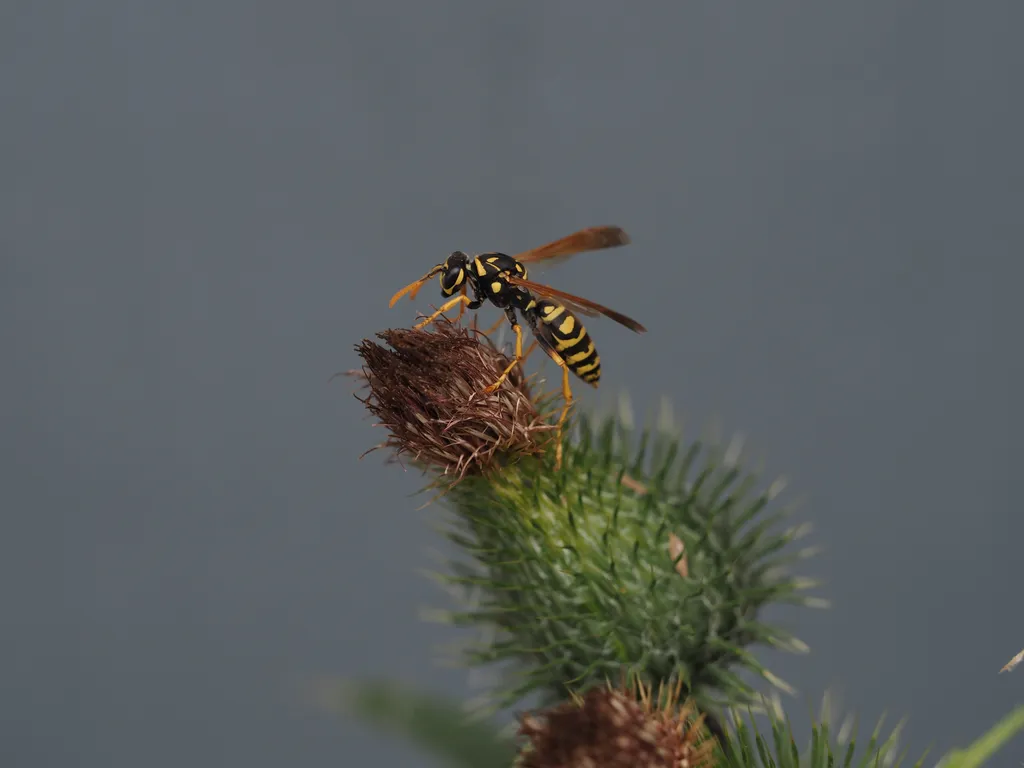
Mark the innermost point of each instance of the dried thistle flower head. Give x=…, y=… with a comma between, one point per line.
x=617, y=728
x=425, y=387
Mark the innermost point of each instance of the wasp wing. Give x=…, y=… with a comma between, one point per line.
x=576, y=303
x=590, y=239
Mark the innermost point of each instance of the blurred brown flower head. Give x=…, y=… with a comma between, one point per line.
x=616, y=728
x=425, y=388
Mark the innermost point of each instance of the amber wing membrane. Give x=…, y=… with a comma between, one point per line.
x=590, y=239
x=575, y=303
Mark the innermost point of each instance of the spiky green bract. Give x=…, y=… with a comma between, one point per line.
x=440, y=727
x=573, y=569
x=746, y=747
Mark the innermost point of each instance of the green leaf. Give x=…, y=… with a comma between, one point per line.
x=439, y=725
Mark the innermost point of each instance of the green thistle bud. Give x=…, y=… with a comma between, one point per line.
x=641, y=554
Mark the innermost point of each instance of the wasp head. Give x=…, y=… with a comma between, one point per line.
x=453, y=272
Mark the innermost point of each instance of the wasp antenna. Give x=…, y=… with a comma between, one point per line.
x=414, y=287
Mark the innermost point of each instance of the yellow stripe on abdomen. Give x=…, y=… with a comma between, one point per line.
x=572, y=341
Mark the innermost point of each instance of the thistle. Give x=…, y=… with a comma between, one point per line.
x=641, y=554
x=624, y=727
x=423, y=387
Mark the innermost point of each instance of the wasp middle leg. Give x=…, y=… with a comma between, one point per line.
x=493, y=328
x=519, y=357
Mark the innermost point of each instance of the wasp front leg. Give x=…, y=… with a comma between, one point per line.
x=475, y=304
x=462, y=307
x=460, y=299
x=463, y=300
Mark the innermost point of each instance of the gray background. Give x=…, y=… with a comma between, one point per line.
x=204, y=206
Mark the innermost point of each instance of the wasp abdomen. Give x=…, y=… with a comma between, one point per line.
x=570, y=340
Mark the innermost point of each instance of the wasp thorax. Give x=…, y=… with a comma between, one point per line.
x=453, y=274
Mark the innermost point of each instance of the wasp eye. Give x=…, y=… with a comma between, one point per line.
x=451, y=279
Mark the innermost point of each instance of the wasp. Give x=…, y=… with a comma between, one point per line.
x=552, y=315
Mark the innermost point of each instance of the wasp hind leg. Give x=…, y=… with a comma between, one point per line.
x=462, y=299
x=567, y=397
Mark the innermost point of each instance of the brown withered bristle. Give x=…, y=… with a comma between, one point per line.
x=424, y=387
x=616, y=728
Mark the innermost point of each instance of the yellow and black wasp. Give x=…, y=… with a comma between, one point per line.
x=550, y=313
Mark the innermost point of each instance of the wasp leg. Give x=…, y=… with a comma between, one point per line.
x=462, y=307
x=460, y=299
x=567, y=396
x=516, y=361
